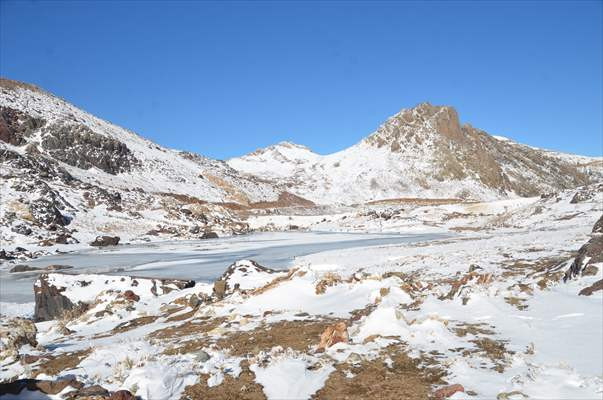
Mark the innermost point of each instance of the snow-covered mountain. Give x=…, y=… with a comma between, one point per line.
x=421, y=152
x=66, y=170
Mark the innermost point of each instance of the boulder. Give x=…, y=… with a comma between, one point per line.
x=209, y=235
x=102, y=241
x=22, y=229
x=122, y=395
x=15, y=333
x=590, y=253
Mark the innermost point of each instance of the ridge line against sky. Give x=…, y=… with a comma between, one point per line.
x=223, y=79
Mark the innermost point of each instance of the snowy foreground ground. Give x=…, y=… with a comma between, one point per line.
x=484, y=314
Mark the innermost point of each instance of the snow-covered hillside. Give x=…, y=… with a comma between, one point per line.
x=421, y=152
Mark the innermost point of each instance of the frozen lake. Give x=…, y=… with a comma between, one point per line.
x=202, y=261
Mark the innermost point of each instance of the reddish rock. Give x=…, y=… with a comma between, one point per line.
x=122, y=395
x=131, y=296
x=447, y=391
x=337, y=333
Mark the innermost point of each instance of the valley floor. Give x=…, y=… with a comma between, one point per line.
x=483, y=314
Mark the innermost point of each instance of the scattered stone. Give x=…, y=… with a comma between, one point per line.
x=90, y=392
x=5, y=256
x=102, y=241
x=334, y=334
x=447, y=391
x=51, y=387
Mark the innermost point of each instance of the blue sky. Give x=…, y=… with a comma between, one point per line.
x=223, y=79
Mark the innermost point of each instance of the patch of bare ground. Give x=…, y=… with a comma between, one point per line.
x=243, y=387
x=464, y=329
x=494, y=350
x=297, y=335
x=134, y=323
x=54, y=364
x=189, y=328
x=405, y=378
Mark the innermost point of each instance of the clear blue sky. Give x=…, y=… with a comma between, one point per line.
x=223, y=79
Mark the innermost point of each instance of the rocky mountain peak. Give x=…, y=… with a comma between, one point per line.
x=413, y=127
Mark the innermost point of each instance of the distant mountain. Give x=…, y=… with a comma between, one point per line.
x=421, y=152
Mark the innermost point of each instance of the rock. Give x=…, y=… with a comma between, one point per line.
x=131, y=296
x=193, y=301
x=447, y=391
x=200, y=356
x=51, y=387
x=102, y=241
x=194, y=229
x=22, y=229
x=23, y=268
x=50, y=303
x=90, y=392
x=5, y=256
x=122, y=395
x=15, y=333
x=587, y=291
x=219, y=288
x=590, y=253
x=209, y=235
x=334, y=334
x=598, y=227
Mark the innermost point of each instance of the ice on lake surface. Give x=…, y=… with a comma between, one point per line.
x=202, y=260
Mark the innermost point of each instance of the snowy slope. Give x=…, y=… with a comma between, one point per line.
x=421, y=152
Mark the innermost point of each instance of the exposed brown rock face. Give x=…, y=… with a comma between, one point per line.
x=447, y=391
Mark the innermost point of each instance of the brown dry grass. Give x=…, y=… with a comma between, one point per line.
x=297, y=335
x=406, y=379
x=61, y=362
x=243, y=387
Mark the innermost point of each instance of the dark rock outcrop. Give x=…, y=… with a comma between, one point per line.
x=15, y=125
x=102, y=241
x=598, y=227
x=587, y=291
x=209, y=235
x=590, y=253
x=79, y=146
